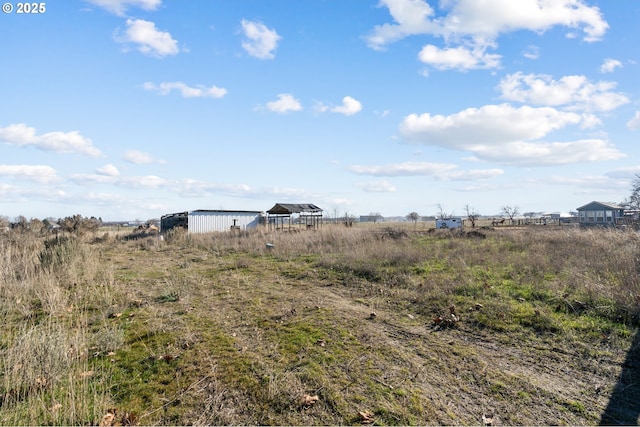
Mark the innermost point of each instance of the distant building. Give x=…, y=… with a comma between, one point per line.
x=371, y=218
x=208, y=221
x=600, y=214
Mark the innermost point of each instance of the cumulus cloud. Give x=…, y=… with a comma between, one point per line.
x=444, y=171
x=37, y=173
x=200, y=91
x=609, y=65
x=119, y=7
x=485, y=21
x=460, y=58
x=634, y=123
x=260, y=41
x=572, y=92
x=140, y=157
x=503, y=133
x=469, y=27
x=376, y=187
x=349, y=107
x=58, y=142
x=285, y=103
x=148, y=38
x=108, y=170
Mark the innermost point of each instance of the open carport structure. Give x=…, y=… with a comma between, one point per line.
x=285, y=216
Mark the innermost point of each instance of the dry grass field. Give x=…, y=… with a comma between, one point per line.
x=373, y=325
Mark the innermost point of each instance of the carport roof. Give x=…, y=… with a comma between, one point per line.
x=291, y=208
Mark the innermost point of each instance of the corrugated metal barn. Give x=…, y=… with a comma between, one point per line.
x=209, y=221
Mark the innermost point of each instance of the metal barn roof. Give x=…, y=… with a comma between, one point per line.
x=291, y=208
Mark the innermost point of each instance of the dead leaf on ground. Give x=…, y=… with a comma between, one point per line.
x=108, y=418
x=309, y=400
x=366, y=417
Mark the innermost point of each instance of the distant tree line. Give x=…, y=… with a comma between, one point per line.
x=75, y=224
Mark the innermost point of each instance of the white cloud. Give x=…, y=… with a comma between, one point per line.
x=200, y=91
x=485, y=20
x=443, y=171
x=119, y=7
x=349, y=107
x=108, y=170
x=572, y=92
x=506, y=134
x=260, y=41
x=610, y=65
x=59, y=142
x=149, y=39
x=38, y=173
x=634, y=123
x=532, y=52
x=460, y=58
x=477, y=25
x=376, y=187
x=140, y=157
x=411, y=17
x=285, y=103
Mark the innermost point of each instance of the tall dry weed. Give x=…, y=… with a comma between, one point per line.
x=52, y=292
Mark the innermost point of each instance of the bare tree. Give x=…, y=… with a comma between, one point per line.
x=633, y=202
x=348, y=219
x=413, y=216
x=510, y=211
x=78, y=225
x=442, y=214
x=472, y=215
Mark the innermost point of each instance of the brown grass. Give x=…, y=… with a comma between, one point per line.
x=322, y=328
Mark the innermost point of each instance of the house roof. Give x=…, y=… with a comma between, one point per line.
x=599, y=205
x=289, y=208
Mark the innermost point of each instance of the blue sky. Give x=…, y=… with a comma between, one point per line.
x=131, y=109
